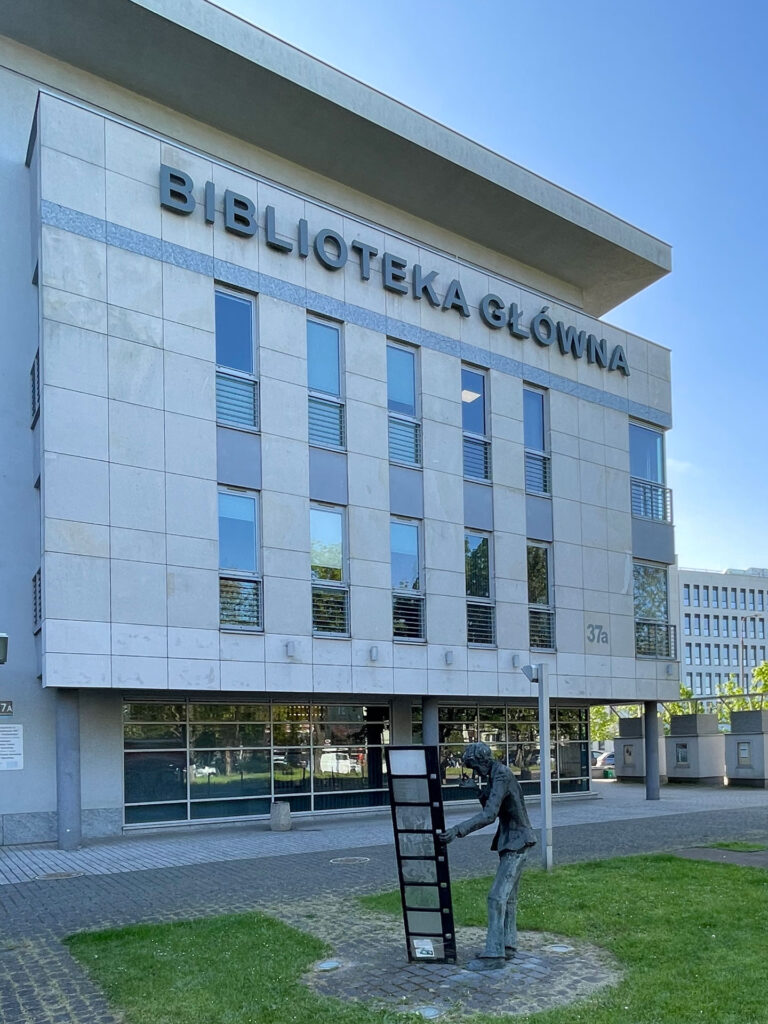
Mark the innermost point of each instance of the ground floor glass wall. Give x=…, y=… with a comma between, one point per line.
x=512, y=733
x=186, y=761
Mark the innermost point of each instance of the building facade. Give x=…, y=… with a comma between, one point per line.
x=313, y=435
x=723, y=618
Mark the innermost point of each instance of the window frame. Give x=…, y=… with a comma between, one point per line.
x=246, y=575
x=544, y=454
x=232, y=372
x=315, y=394
x=483, y=439
x=419, y=593
x=487, y=602
x=549, y=607
x=342, y=585
x=416, y=419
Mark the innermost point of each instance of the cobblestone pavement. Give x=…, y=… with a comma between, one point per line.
x=41, y=984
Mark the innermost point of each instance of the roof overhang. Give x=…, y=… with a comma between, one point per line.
x=210, y=65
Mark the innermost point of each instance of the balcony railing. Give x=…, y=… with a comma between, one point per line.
x=651, y=501
x=477, y=458
x=541, y=628
x=481, y=624
x=240, y=603
x=404, y=441
x=237, y=401
x=537, y=473
x=330, y=610
x=326, y=423
x=655, y=639
x=407, y=617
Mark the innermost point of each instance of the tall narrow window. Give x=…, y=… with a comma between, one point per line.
x=237, y=398
x=474, y=419
x=541, y=615
x=326, y=408
x=650, y=498
x=34, y=384
x=407, y=592
x=330, y=592
x=404, y=427
x=686, y=594
x=654, y=634
x=537, y=463
x=481, y=624
x=240, y=604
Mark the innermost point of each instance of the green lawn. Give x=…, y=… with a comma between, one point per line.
x=739, y=847
x=689, y=934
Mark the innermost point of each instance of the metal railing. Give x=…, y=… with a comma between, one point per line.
x=407, y=617
x=404, y=441
x=237, y=401
x=477, y=458
x=481, y=624
x=330, y=610
x=655, y=639
x=240, y=604
x=651, y=501
x=538, y=478
x=37, y=601
x=541, y=628
x=326, y=423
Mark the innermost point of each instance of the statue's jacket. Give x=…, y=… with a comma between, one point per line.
x=502, y=798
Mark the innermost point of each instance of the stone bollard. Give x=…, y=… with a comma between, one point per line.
x=280, y=816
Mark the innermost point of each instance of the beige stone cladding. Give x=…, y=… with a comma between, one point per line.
x=129, y=477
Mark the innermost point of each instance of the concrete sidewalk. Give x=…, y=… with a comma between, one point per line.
x=612, y=802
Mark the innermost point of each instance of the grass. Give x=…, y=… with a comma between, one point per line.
x=738, y=847
x=690, y=936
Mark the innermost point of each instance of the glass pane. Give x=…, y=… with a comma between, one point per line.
x=323, y=357
x=414, y=817
x=419, y=871
x=290, y=713
x=151, y=776
x=412, y=791
x=237, y=532
x=573, y=760
x=229, y=712
x=154, y=737
x=345, y=799
x=427, y=896
x=650, y=588
x=646, y=453
x=473, y=401
x=234, y=332
x=351, y=768
x=226, y=735
x=533, y=419
x=236, y=401
x=229, y=773
x=155, y=812
x=346, y=735
x=404, y=547
x=341, y=712
x=229, y=808
x=289, y=734
x=154, y=712
x=457, y=713
x=415, y=845
x=538, y=578
x=477, y=565
x=292, y=771
x=326, y=544
x=451, y=768
x=401, y=381
x=424, y=922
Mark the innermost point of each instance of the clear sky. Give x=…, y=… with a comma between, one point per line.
x=656, y=110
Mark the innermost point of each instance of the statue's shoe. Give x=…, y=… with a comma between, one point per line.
x=509, y=952
x=486, y=963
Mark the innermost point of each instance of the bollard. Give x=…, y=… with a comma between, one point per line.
x=280, y=816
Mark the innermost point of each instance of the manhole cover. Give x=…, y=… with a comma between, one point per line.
x=328, y=965
x=558, y=947
x=58, y=874
x=429, y=1012
x=350, y=860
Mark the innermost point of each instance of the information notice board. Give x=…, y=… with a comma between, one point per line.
x=416, y=800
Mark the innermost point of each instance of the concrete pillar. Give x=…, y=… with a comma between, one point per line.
x=68, y=798
x=402, y=721
x=431, y=730
x=651, y=723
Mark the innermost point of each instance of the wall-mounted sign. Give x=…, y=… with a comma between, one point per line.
x=11, y=748
x=333, y=251
x=413, y=774
x=6, y=708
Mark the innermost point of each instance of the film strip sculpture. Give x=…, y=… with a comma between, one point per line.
x=416, y=799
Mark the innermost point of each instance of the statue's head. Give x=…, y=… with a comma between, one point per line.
x=478, y=757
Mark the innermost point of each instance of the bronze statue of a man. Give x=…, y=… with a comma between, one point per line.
x=502, y=798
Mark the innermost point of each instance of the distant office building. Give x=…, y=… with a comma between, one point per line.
x=311, y=435
x=723, y=622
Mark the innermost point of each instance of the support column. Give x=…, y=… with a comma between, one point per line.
x=402, y=721
x=68, y=794
x=431, y=730
x=651, y=729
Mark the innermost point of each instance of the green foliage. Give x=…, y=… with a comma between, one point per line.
x=739, y=847
x=603, y=723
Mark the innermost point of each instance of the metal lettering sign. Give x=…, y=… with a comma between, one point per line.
x=6, y=708
x=413, y=774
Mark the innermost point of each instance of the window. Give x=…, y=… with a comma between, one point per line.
x=37, y=602
x=733, y=597
x=404, y=428
x=751, y=628
x=761, y=629
x=481, y=626
x=687, y=624
x=686, y=594
x=726, y=631
x=407, y=593
x=716, y=654
x=696, y=598
x=715, y=625
x=726, y=654
x=697, y=625
x=760, y=601
x=744, y=754
x=330, y=592
x=681, y=749
x=537, y=462
x=541, y=615
x=706, y=625
x=751, y=600
x=650, y=498
x=724, y=597
x=240, y=605
x=237, y=400
x=654, y=635
x=474, y=420
x=697, y=654
x=688, y=654
x=34, y=383
x=715, y=591
x=705, y=597
x=707, y=654
x=326, y=409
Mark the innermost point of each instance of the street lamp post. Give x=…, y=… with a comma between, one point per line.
x=540, y=674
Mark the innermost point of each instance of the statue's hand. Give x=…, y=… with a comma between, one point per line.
x=448, y=836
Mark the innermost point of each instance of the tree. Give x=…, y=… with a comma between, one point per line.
x=603, y=722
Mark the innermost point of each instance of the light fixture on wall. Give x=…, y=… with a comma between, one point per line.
x=373, y=654
x=515, y=661
x=670, y=670
x=449, y=657
x=290, y=649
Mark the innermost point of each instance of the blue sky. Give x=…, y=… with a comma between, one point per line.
x=656, y=110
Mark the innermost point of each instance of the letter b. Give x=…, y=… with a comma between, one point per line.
x=176, y=190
